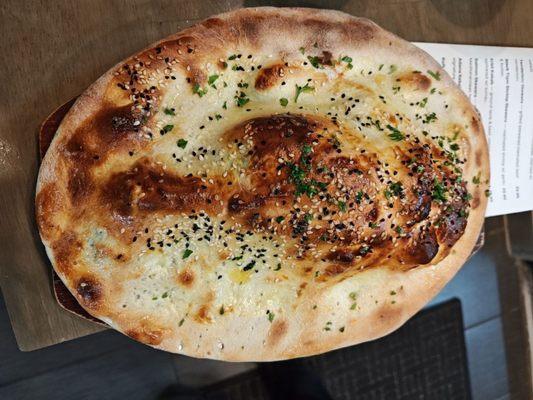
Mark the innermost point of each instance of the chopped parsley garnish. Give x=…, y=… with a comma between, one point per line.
x=241, y=99
x=164, y=295
x=454, y=147
x=392, y=69
x=181, y=322
x=225, y=106
x=398, y=230
x=380, y=67
x=423, y=102
x=278, y=267
x=302, y=50
x=218, y=116
x=476, y=180
x=280, y=219
x=315, y=61
x=488, y=193
x=396, y=188
x=433, y=90
x=186, y=254
x=306, y=149
x=302, y=89
x=430, y=118
x=199, y=91
x=359, y=197
x=168, y=128
x=435, y=75
x=182, y=143
x=420, y=169
x=271, y=316
x=169, y=111
x=439, y=191
x=242, y=84
x=342, y=205
x=388, y=194
x=283, y=101
x=232, y=57
x=396, y=135
x=348, y=60
x=211, y=80
x=395, y=89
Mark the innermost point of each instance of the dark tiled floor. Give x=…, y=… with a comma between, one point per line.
x=109, y=365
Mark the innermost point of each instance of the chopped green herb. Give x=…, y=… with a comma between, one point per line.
x=241, y=99
x=186, y=254
x=197, y=90
x=218, y=116
x=420, y=169
x=342, y=206
x=433, y=90
x=306, y=149
x=395, y=89
x=392, y=293
x=346, y=59
x=476, y=179
x=182, y=143
x=302, y=89
x=454, y=147
x=359, y=197
x=488, y=193
x=353, y=306
x=280, y=219
x=181, y=322
x=352, y=295
x=396, y=188
x=271, y=316
x=169, y=111
x=380, y=67
x=423, y=102
x=302, y=50
x=168, y=128
x=225, y=106
x=396, y=135
x=435, y=75
x=430, y=118
x=242, y=84
x=392, y=68
x=388, y=194
x=283, y=101
x=278, y=267
x=232, y=57
x=315, y=62
x=439, y=191
x=398, y=230
x=373, y=225
x=164, y=295
x=211, y=80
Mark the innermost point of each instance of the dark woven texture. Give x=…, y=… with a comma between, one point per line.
x=425, y=359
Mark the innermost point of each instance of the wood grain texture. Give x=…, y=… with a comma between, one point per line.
x=51, y=51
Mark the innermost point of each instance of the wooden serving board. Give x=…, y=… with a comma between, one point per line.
x=52, y=50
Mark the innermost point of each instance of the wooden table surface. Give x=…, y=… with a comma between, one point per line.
x=52, y=50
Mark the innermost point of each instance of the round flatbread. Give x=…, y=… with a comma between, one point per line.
x=270, y=183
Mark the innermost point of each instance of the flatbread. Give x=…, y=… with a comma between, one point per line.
x=268, y=184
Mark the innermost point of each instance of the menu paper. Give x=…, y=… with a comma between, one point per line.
x=499, y=82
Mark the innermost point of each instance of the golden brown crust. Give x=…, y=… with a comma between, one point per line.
x=264, y=185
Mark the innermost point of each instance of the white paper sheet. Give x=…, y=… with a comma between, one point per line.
x=499, y=82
